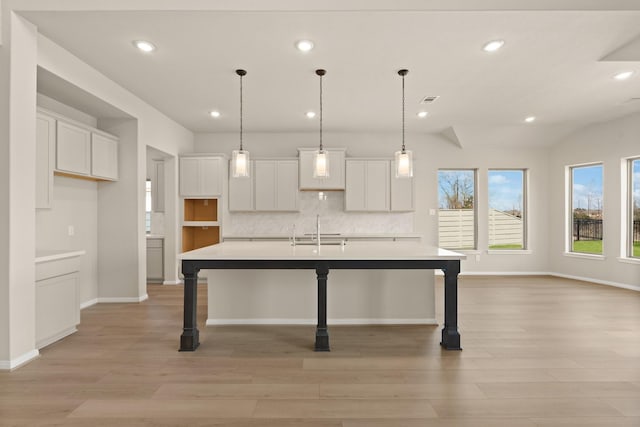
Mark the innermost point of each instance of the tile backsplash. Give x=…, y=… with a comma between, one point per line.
x=333, y=219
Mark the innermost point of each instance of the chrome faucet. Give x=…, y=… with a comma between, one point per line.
x=293, y=235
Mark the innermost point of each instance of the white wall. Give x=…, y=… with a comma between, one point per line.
x=122, y=249
x=17, y=191
x=431, y=152
x=154, y=129
x=75, y=202
x=608, y=143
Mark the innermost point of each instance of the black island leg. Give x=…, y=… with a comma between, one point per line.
x=450, y=334
x=190, y=338
x=322, y=332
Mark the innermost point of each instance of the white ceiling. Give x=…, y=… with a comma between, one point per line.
x=556, y=65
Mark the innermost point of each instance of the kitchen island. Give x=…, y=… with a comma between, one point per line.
x=322, y=259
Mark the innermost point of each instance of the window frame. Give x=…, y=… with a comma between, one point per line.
x=525, y=209
x=628, y=222
x=569, y=211
x=475, y=207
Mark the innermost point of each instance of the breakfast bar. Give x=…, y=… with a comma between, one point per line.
x=321, y=258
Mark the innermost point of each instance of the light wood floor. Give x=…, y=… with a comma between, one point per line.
x=537, y=352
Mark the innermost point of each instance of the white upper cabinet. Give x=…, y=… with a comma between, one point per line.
x=367, y=186
x=45, y=159
x=202, y=176
x=73, y=149
x=77, y=148
x=241, y=192
x=276, y=185
x=104, y=157
x=157, y=186
x=335, y=181
x=402, y=194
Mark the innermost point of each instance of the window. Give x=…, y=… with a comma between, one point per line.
x=506, y=209
x=634, y=208
x=456, y=214
x=148, y=206
x=586, y=209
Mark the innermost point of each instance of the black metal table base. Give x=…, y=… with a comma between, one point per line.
x=190, y=338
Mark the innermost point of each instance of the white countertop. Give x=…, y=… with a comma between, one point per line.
x=350, y=251
x=373, y=236
x=54, y=255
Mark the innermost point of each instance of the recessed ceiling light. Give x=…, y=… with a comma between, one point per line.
x=423, y=114
x=304, y=45
x=310, y=114
x=623, y=75
x=493, y=45
x=144, y=46
x=530, y=119
x=215, y=114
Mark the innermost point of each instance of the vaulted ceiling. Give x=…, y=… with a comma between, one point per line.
x=557, y=63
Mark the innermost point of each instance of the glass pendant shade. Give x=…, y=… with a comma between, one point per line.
x=403, y=158
x=404, y=164
x=240, y=164
x=321, y=164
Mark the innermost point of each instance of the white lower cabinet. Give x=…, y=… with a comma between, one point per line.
x=57, y=300
x=155, y=260
x=367, y=185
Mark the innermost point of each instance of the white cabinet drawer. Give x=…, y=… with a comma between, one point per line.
x=45, y=270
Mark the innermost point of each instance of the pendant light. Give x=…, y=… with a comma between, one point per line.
x=321, y=157
x=240, y=158
x=403, y=158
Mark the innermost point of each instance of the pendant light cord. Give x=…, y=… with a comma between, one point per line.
x=403, y=147
x=320, y=113
x=241, y=112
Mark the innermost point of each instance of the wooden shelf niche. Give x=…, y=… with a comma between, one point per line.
x=195, y=236
x=200, y=209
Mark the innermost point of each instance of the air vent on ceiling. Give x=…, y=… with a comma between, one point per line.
x=429, y=99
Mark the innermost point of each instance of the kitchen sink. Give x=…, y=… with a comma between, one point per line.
x=322, y=243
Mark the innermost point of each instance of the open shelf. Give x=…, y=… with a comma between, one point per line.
x=199, y=237
x=200, y=210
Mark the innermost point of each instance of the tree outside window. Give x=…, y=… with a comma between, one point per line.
x=587, y=209
x=456, y=213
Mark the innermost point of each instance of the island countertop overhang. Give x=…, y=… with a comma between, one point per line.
x=364, y=251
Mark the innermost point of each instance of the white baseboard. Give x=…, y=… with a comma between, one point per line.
x=546, y=273
x=172, y=282
x=598, y=281
x=498, y=273
x=123, y=299
x=7, y=365
x=213, y=322
x=50, y=340
x=88, y=303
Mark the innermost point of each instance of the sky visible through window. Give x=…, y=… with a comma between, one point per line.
x=587, y=188
x=505, y=190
